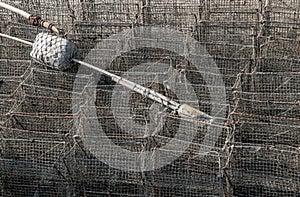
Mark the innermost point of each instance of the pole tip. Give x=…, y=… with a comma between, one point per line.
x=187, y=111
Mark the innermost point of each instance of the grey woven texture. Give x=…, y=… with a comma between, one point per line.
x=256, y=46
x=53, y=51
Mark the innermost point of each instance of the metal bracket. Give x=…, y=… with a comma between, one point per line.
x=36, y=20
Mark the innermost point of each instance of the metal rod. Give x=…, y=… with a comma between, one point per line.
x=33, y=19
x=183, y=110
x=135, y=87
x=16, y=39
x=14, y=9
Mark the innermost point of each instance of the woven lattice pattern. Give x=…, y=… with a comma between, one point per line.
x=47, y=150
